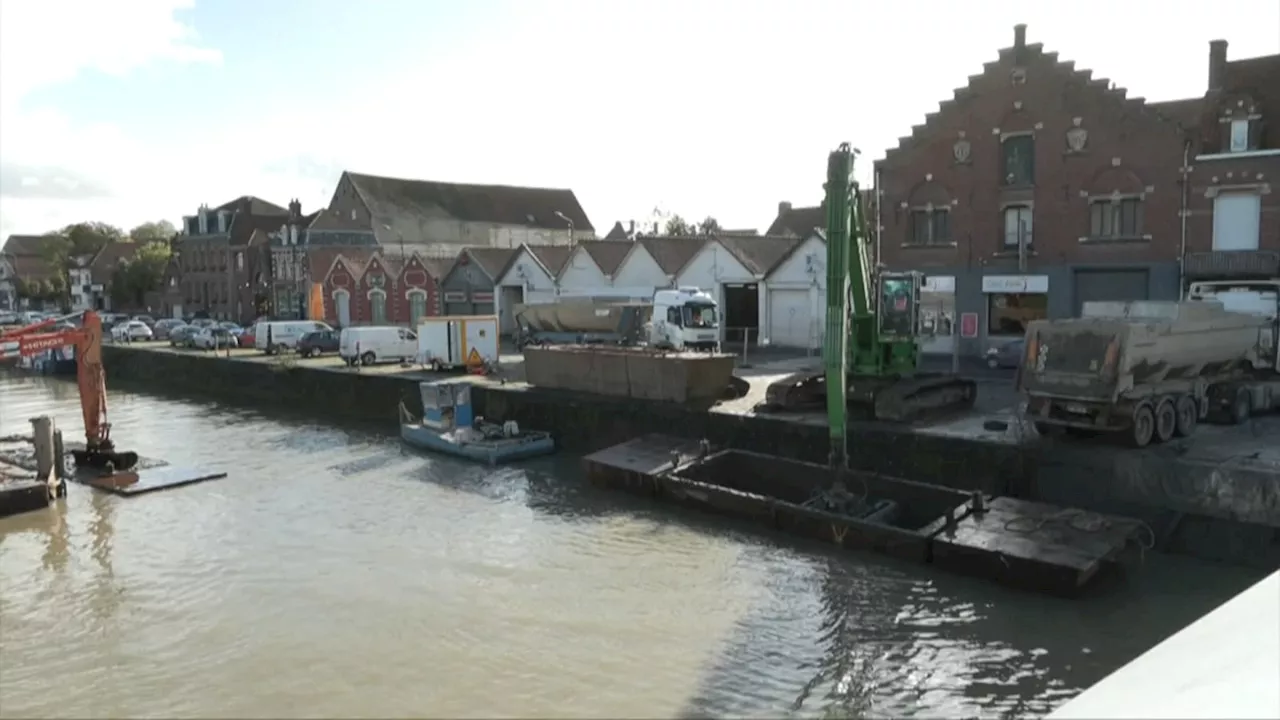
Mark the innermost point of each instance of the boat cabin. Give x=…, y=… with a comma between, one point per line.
x=446, y=406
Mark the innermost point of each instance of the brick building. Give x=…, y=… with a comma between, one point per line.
x=1233, y=207
x=222, y=266
x=1036, y=188
x=377, y=287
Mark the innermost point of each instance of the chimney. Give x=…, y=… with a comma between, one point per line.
x=222, y=221
x=784, y=207
x=295, y=210
x=204, y=219
x=631, y=228
x=1019, y=36
x=655, y=228
x=1217, y=64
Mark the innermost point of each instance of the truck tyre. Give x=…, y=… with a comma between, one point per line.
x=1241, y=407
x=1188, y=416
x=1166, y=421
x=1143, y=427
x=368, y=358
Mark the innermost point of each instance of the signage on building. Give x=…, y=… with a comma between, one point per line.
x=1015, y=284
x=939, y=284
x=969, y=325
x=455, y=296
x=482, y=297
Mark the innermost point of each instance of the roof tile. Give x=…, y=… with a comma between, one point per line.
x=499, y=204
x=608, y=254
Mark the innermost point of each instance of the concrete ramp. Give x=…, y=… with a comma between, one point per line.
x=639, y=373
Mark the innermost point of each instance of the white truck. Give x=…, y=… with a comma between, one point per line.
x=681, y=319
x=1150, y=371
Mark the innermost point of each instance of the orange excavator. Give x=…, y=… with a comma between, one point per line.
x=99, y=451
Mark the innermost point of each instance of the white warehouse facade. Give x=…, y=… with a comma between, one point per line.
x=771, y=290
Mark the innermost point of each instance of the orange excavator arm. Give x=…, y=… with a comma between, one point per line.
x=90, y=377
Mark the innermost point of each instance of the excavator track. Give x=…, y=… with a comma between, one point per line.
x=895, y=399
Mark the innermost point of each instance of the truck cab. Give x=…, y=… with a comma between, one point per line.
x=685, y=319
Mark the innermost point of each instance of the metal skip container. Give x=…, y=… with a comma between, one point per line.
x=639, y=373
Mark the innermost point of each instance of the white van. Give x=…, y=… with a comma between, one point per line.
x=375, y=344
x=284, y=334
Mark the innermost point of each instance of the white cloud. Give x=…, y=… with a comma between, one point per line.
x=46, y=42
x=697, y=106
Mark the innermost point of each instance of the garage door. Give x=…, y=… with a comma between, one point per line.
x=1110, y=285
x=791, y=320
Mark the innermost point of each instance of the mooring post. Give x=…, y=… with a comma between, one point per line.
x=42, y=431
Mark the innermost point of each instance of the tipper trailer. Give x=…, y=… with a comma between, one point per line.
x=1150, y=371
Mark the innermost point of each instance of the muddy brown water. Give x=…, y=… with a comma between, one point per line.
x=333, y=574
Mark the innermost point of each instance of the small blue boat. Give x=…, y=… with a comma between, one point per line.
x=448, y=425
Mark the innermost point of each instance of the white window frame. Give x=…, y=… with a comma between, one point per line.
x=372, y=316
x=1239, y=136
x=1010, y=241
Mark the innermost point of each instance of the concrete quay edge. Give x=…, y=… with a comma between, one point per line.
x=1218, y=513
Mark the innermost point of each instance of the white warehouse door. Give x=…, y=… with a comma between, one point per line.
x=791, y=319
x=1236, y=221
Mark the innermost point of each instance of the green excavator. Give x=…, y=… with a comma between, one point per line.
x=871, y=348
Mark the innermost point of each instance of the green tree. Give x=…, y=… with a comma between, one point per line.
x=677, y=226
x=22, y=286
x=160, y=231
x=708, y=226
x=141, y=274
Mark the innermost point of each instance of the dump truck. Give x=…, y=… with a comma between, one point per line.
x=582, y=322
x=678, y=319
x=1150, y=371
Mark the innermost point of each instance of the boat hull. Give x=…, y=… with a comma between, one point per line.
x=493, y=452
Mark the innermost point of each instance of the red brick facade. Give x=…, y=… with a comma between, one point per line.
x=379, y=289
x=1089, y=143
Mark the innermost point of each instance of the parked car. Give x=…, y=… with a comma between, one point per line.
x=150, y=321
x=131, y=331
x=246, y=337
x=374, y=344
x=276, y=335
x=1008, y=355
x=203, y=322
x=213, y=338
x=318, y=343
x=164, y=326
x=180, y=337
x=227, y=325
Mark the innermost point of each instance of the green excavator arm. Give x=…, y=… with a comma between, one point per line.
x=870, y=347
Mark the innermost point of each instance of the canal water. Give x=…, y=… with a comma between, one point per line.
x=333, y=574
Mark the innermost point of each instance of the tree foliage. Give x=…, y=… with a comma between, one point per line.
x=678, y=226
x=144, y=272
x=161, y=230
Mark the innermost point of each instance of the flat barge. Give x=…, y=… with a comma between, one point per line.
x=1028, y=545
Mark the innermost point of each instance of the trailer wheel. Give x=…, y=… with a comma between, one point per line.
x=1241, y=407
x=1143, y=427
x=1166, y=421
x=1188, y=415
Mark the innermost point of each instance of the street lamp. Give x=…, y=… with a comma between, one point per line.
x=568, y=220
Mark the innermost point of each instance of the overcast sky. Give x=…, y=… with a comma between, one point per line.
x=142, y=109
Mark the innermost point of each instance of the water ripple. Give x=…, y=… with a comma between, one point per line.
x=335, y=574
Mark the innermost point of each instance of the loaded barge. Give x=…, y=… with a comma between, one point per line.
x=1023, y=544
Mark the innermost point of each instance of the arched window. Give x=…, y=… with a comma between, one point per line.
x=378, y=307
x=342, y=303
x=417, y=307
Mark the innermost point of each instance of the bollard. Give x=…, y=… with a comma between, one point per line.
x=58, y=483
x=43, y=438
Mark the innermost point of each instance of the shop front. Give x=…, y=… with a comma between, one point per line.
x=1013, y=302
